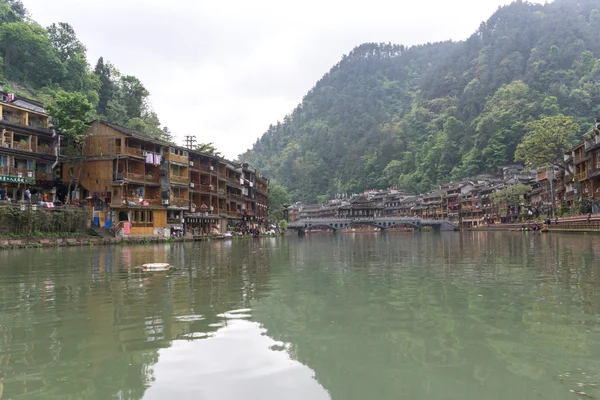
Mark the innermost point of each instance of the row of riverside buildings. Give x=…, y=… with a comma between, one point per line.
x=134, y=184
x=469, y=203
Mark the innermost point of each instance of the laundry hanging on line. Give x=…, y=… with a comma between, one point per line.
x=154, y=159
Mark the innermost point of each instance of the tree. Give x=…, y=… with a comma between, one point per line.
x=546, y=142
x=65, y=42
x=208, y=148
x=107, y=74
x=12, y=11
x=511, y=196
x=278, y=198
x=28, y=54
x=70, y=114
x=133, y=95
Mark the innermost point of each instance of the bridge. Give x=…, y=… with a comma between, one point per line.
x=382, y=223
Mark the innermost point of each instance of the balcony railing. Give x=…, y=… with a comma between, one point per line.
x=207, y=188
x=137, y=177
x=580, y=158
x=178, y=158
x=132, y=151
x=44, y=176
x=135, y=201
x=206, y=168
x=14, y=119
x=184, y=180
x=595, y=169
x=45, y=149
x=581, y=176
x=180, y=202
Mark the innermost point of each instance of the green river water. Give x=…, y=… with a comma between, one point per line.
x=472, y=315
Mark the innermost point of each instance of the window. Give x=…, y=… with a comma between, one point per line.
x=3, y=161
x=143, y=218
x=185, y=153
x=173, y=151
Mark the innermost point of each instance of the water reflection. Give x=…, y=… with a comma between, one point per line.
x=238, y=361
x=455, y=316
x=85, y=323
x=473, y=315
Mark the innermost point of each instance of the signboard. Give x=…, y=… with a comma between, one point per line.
x=127, y=228
x=16, y=179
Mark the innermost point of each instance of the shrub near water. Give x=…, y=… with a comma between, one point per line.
x=13, y=221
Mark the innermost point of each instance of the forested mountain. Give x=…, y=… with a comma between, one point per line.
x=419, y=116
x=37, y=62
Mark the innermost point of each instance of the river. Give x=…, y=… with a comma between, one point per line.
x=471, y=315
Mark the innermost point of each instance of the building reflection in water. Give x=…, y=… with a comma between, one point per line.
x=87, y=324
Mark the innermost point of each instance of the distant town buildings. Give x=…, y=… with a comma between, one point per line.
x=133, y=183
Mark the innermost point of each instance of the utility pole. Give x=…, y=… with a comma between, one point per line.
x=190, y=141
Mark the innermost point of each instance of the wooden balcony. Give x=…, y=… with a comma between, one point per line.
x=180, y=202
x=135, y=202
x=581, y=176
x=139, y=178
x=130, y=151
x=45, y=149
x=207, y=168
x=178, y=159
x=234, y=183
x=594, y=170
x=44, y=176
x=182, y=180
x=14, y=119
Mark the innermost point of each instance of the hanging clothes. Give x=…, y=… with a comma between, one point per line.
x=149, y=158
x=157, y=159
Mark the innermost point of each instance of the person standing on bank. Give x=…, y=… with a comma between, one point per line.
x=27, y=195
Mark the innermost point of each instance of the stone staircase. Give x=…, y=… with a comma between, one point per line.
x=101, y=232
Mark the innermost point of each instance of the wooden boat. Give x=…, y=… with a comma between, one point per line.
x=156, y=267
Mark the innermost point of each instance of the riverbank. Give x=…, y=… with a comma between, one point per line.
x=580, y=224
x=8, y=243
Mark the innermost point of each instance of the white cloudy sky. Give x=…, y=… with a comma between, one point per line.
x=225, y=70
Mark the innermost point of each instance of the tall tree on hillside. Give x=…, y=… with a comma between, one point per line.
x=72, y=54
x=70, y=115
x=546, y=142
x=107, y=75
x=133, y=96
x=65, y=41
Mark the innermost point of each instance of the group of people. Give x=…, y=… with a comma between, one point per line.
x=22, y=195
x=243, y=229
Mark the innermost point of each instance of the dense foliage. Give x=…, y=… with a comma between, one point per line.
x=39, y=62
x=546, y=142
x=419, y=116
x=14, y=221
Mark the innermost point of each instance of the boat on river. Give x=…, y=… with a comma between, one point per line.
x=156, y=267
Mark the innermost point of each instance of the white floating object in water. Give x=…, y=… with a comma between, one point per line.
x=156, y=267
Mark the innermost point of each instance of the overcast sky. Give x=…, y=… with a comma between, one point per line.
x=225, y=70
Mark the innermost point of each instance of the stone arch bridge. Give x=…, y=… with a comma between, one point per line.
x=382, y=223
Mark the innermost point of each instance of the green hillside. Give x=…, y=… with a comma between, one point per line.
x=38, y=62
x=418, y=116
